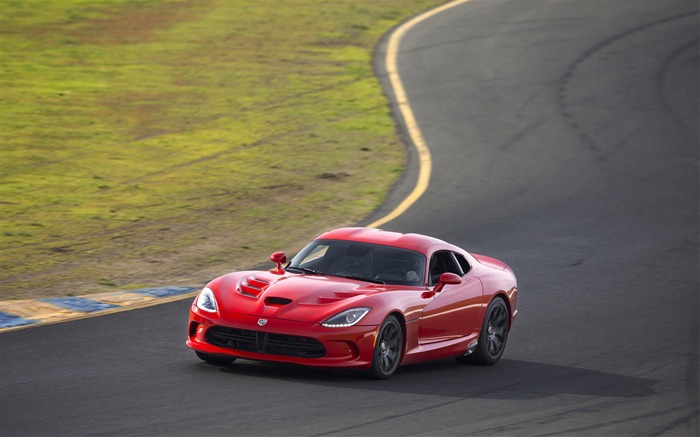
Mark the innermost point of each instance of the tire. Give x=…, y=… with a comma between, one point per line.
x=388, y=349
x=217, y=360
x=493, y=337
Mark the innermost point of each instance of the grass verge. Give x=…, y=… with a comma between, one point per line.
x=165, y=142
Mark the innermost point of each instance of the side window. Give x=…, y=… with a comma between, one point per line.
x=442, y=262
x=463, y=264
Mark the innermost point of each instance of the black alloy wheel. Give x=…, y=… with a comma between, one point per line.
x=387, y=350
x=493, y=337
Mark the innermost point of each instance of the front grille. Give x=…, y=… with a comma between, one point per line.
x=265, y=343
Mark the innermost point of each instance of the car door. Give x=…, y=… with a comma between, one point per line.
x=454, y=311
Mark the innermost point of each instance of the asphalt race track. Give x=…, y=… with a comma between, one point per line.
x=564, y=137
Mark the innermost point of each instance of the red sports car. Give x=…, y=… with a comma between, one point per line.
x=360, y=299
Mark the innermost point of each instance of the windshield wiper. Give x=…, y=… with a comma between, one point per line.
x=360, y=278
x=304, y=270
x=315, y=272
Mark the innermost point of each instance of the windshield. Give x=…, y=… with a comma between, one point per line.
x=364, y=261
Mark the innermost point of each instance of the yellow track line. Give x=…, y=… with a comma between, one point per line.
x=424, y=160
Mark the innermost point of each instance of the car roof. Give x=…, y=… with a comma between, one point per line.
x=415, y=242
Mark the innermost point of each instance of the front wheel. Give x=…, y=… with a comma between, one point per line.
x=217, y=360
x=494, y=333
x=387, y=350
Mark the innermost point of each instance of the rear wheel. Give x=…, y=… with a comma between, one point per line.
x=387, y=350
x=217, y=360
x=494, y=333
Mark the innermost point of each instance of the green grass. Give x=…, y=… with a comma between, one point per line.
x=166, y=142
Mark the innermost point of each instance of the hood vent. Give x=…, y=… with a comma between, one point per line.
x=338, y=296
x=329, y=299
x=253, y=287
x=277, y=301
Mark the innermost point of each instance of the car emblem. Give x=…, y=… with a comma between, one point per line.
x=262, y=322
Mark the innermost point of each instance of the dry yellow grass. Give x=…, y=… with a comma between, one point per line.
x=165, y=142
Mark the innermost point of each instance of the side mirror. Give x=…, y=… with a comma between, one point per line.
x=279, y=258
x=445, y=279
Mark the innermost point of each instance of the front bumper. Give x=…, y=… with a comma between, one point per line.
x=350, y=348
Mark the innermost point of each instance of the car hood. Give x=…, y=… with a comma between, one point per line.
x=292, y=297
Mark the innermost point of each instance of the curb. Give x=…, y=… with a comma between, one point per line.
x=19, y=314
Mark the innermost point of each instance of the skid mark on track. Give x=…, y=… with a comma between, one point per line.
x=663, y=73
x=562, y=100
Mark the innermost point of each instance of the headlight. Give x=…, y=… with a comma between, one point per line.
x=206, y=301
x=346, y=318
